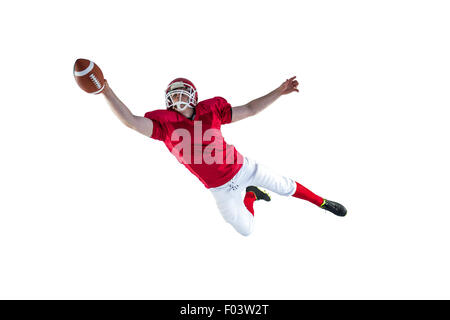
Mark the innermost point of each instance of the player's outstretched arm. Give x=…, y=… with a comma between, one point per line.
x=140, y=124
x=257, y=105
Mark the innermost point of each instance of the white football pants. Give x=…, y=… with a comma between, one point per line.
x=230, y=196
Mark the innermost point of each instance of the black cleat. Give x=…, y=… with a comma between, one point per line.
x=260, y=195
x=334, y=207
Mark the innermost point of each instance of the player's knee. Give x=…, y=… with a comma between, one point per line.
x=246, y=232
x=285, y=187
x=244, y=229
x=242, y=222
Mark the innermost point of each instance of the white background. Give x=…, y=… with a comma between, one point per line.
x=89, y=209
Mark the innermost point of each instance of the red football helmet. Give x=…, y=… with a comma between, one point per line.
x=181, y=93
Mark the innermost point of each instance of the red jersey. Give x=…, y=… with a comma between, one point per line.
x=198, y=143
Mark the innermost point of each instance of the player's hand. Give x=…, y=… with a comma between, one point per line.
x=107, y=88
x=290, y=85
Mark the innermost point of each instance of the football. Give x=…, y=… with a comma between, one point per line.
x=88, y=76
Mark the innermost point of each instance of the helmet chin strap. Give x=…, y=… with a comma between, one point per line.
x=185, y=105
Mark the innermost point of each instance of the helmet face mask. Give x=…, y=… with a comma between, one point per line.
x=181, y=94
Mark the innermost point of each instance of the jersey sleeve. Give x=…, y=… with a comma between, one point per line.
x=224, y=110
x=159, y=132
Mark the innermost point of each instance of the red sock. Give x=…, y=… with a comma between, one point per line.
x=248, y=201
x=307, y=195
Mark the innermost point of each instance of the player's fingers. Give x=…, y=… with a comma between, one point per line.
x=293, y=78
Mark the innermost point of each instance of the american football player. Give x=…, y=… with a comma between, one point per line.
x=190, y=129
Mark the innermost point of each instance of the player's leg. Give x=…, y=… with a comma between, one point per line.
x=331, y=206
x=252, y=194
x=284, y=186
x=234, y=211
x=243, y=180
x=267, y=179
